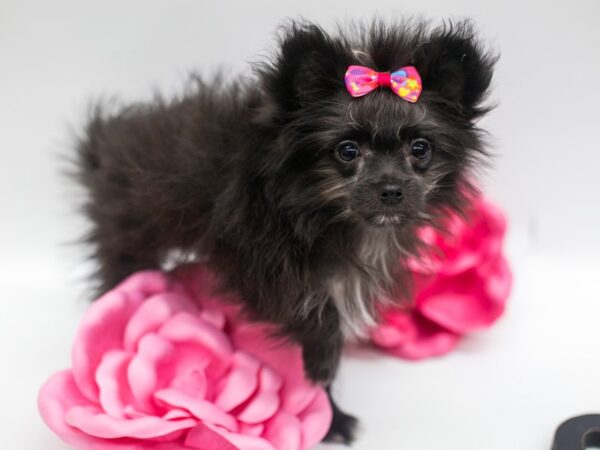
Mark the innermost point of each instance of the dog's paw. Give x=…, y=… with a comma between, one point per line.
x=343, y=427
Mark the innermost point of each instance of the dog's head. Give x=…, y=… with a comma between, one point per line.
x=377, y=159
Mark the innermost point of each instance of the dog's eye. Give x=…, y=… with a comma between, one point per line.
x=348, y=151
x=420, y=149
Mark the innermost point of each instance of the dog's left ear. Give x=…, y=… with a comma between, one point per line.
x=455, y=67
x=310, y=66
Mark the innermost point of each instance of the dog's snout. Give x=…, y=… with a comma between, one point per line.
x=390, y=194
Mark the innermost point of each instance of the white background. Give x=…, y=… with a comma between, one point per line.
x=507, y=388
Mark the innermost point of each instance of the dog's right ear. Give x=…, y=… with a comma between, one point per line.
x=457, y=68
x=310, y=66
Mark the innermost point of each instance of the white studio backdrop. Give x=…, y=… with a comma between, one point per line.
x=56, y=56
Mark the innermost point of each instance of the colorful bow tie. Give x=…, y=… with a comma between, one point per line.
x=405, y=82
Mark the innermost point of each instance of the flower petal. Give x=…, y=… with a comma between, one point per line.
x=103, y=324
x=152, y=314
x=254, y=338
x=111, y=378
x=95, y=337
x=144, y=284
x=252, y=429
x=396, y=329
x=175, y=414
x=98, y=424
x=427, y=346
x=202, y=409
x=284, y=431
x=316, y=419
x=266, y=400
x=245, y=442
x=205, y=438
x=192, y=383
x=460, y=304
x=185, y=328
x=214, y=317
x=240, y=383
x=142, y=373
x=57, y=396
x=498, y=282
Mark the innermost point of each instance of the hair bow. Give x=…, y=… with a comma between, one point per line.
x=405, y=82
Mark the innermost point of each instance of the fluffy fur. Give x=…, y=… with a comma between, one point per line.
x=248, y=177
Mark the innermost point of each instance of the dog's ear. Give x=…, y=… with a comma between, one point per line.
x=310, y=66
x=456, y=69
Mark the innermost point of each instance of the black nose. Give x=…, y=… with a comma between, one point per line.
x=390, y=194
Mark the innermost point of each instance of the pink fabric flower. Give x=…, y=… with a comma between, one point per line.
x=460, y=286
x=154, y=370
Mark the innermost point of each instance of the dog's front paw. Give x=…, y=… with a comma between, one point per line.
x=343, y=427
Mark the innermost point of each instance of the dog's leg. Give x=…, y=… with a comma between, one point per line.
x=343, y=426
x=322, y=343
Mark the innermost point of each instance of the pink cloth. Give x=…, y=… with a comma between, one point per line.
x=160, y=363
x=460, y=285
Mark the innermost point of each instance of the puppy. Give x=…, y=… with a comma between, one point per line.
x=302, y=196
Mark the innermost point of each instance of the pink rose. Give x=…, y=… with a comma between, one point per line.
x=460, y=286
x=154, y=370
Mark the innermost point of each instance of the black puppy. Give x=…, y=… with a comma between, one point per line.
x=303, y=198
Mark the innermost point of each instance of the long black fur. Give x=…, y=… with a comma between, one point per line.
x=245, y=175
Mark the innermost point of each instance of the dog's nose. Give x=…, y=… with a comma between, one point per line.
x=390, y=194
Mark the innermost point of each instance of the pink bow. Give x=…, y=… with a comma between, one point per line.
x=405, y=82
